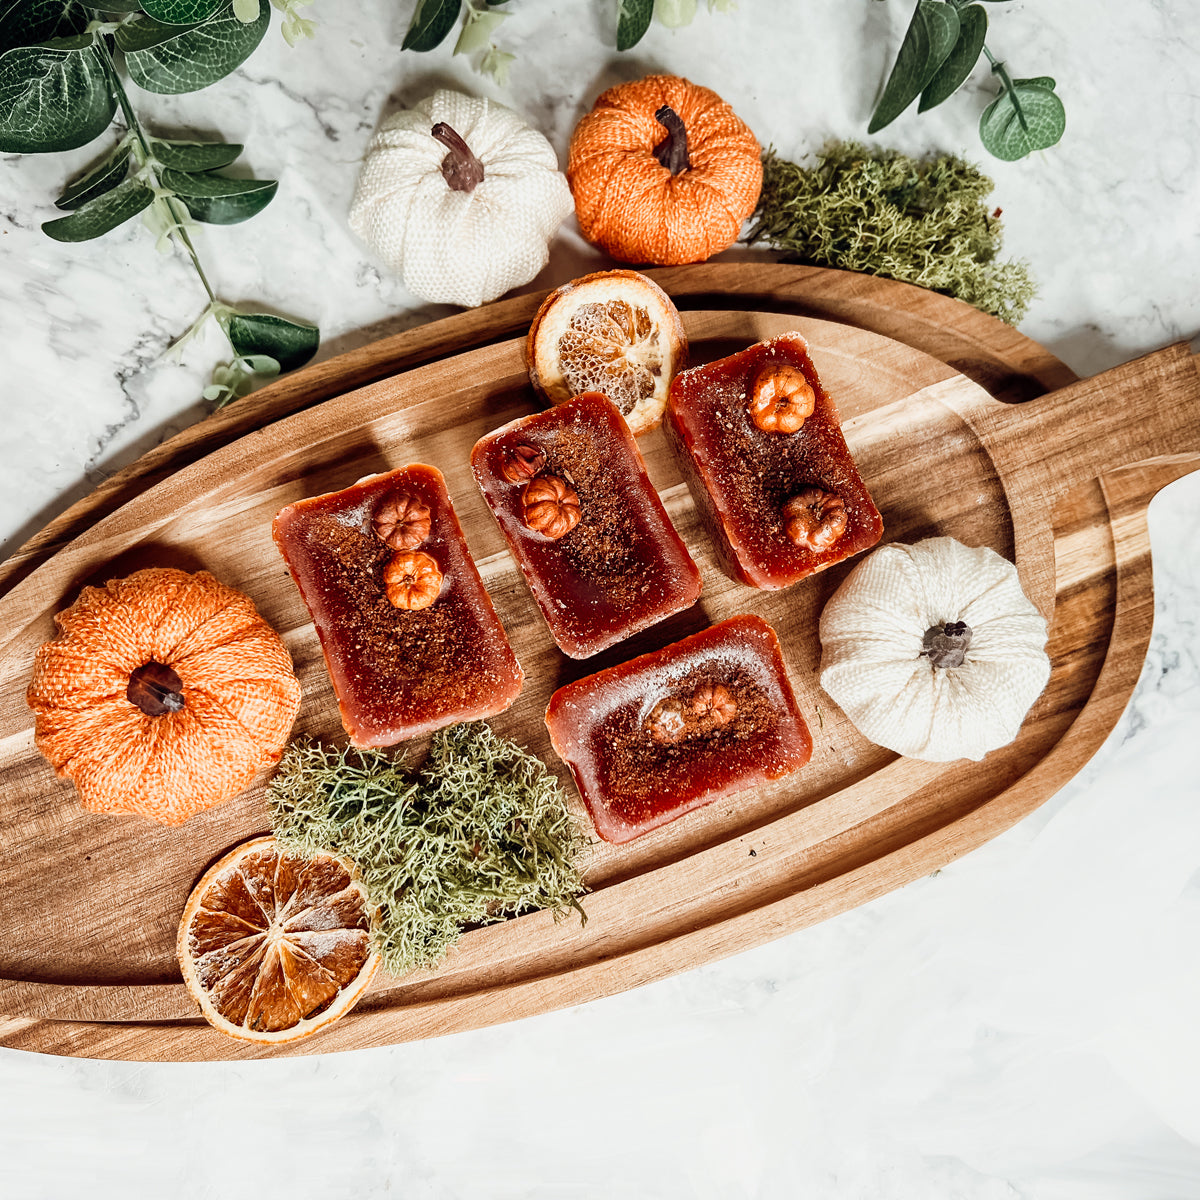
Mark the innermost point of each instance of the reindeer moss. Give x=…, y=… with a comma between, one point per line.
x=881, y=212
x=480, y=833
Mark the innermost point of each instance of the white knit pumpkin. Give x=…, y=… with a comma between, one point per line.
x=883, y=631
x=463, y=246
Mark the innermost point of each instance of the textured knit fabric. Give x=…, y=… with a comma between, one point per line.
x=872, y=632
x=240, y=695
x=455, y=247
x=630, y=205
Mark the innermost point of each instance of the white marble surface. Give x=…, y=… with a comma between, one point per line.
x=1024, y=1024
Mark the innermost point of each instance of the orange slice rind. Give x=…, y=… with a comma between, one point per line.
x=615, y=332
x=275, y=945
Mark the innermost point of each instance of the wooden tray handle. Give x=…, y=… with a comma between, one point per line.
x=1145, y=409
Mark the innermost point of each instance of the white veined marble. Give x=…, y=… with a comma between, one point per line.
x=1024, y=1024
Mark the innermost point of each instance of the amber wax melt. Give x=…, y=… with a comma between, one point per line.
x=409, y=634
x=570, y=492
x=761, y=445
x=656, y=737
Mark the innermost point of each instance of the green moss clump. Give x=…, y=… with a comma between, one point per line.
x=479, y=834
x=884, y=213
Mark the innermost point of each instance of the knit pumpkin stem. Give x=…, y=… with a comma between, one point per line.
x=460, y=168
x=946, y=645
x=672, y=151
x=155, y=689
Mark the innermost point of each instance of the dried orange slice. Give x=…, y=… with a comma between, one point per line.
x=615, y=332
x=274, y=945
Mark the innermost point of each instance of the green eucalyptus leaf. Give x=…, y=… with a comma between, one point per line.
x=290, y=343
x=1041, y=81
x=431, y=21
x=194, y=156
x=477, y=30
x=959, y=63
x=497, y=64
x=217, y=199
x=103, y=177
x=633, y=19
x=260, y=364
x=28, y=22
x=98, y=216
x=1027, y=118
x=170, y=59
x=931, y=36
x=675, y=13
x=53, y=97
x=181, y=12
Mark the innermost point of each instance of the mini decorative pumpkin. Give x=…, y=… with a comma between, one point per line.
x=933, y=650
x=460, y=197
x=163, y=694
x=663, y=171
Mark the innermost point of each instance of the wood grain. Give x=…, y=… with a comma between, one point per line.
x=1059, y=484
x=1007, y=364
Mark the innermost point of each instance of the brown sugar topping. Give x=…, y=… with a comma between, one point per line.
x=603, y=546
x=677, y=729
x=418, y=645
x=621, y=566
x=745, y=478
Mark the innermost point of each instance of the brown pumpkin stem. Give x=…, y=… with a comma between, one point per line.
x=672, y=151
x=946, y=645
x=460, y=168
x=155, y=689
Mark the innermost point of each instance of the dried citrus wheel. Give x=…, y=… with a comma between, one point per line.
x=275, y=945
x=615, y=332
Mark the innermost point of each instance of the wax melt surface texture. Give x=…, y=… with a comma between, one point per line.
x=742, y=477
x=653, y=738
x=622, y=567
x=397, y=672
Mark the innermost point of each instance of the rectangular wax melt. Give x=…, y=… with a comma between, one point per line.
x=779, y=502
x=656, y=737
x=408, y=652
x=616, y=565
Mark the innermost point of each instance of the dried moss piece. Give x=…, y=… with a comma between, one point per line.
x=480, y=833
x=881, y=212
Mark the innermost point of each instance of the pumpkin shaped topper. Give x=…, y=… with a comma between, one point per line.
x=460, y=197
x=933, y=650
x=163, y=694
x=663, y=171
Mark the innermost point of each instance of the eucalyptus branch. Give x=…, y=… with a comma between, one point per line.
x=998, y=68
x=65, y=65
x=944, y=41
x=147, y=163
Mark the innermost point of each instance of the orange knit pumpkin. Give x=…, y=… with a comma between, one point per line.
x=663, y=171
x=163, y=694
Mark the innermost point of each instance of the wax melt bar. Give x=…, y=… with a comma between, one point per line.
x=570, y=492
x=761, y=446
x=656, y=737
x=409, y=634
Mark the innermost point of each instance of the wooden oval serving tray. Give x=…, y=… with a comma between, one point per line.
x=959, y=425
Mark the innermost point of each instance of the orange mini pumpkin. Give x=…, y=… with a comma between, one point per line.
x=163, y=694
x=663, y=171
